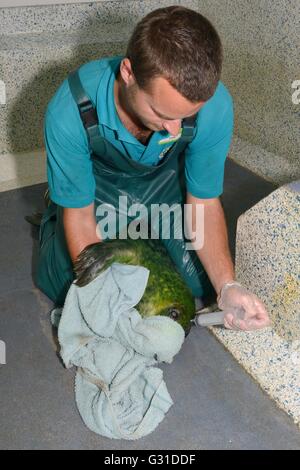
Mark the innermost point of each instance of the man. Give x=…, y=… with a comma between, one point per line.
x=125, y=126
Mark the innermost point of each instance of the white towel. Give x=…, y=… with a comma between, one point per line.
x=119, y=392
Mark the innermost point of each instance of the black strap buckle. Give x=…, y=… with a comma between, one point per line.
x=88, y=114
x=188, y=128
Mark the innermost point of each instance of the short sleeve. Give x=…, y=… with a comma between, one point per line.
x=206, y=155
x=69, y=166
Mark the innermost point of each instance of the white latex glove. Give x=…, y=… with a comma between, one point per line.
x=243, y=310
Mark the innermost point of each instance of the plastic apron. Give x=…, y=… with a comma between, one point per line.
x=118, y=175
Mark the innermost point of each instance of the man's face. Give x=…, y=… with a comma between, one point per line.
x=159, y=108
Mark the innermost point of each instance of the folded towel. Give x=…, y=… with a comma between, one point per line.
x=119, y=392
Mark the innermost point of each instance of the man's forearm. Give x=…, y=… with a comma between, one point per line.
x=215, y=254
x=80, y=229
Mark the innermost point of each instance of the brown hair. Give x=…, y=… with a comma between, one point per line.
x=180, y=45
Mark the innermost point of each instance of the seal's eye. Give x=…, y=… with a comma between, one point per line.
x=174, y=313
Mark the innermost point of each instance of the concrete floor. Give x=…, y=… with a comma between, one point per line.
x=217, y=405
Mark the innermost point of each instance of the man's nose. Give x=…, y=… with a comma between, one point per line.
x=173, y=127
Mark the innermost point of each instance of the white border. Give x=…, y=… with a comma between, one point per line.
x=30, y=3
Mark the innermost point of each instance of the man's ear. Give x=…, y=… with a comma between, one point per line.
x=126, y=72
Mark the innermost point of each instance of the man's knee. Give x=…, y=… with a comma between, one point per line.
x=54, y=273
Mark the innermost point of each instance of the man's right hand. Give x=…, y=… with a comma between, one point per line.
x=80, y=229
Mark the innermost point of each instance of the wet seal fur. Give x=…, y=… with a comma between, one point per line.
x=166, y=292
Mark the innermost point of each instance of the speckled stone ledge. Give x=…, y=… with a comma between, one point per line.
x=70, y=16
x=274, y=168
x=267, y=262
x=40, y=45
x=33, y=70
x=271, y=361
x=22, y=169
x=268, y=256
x=261, y=61
x=261, y=45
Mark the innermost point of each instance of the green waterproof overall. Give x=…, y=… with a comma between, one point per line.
x=118, y=175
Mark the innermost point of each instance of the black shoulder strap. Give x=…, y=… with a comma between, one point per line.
x=85, y=105
x=188, y=126
x=89, y=116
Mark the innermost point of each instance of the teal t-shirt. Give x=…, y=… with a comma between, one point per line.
x=69, y=166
